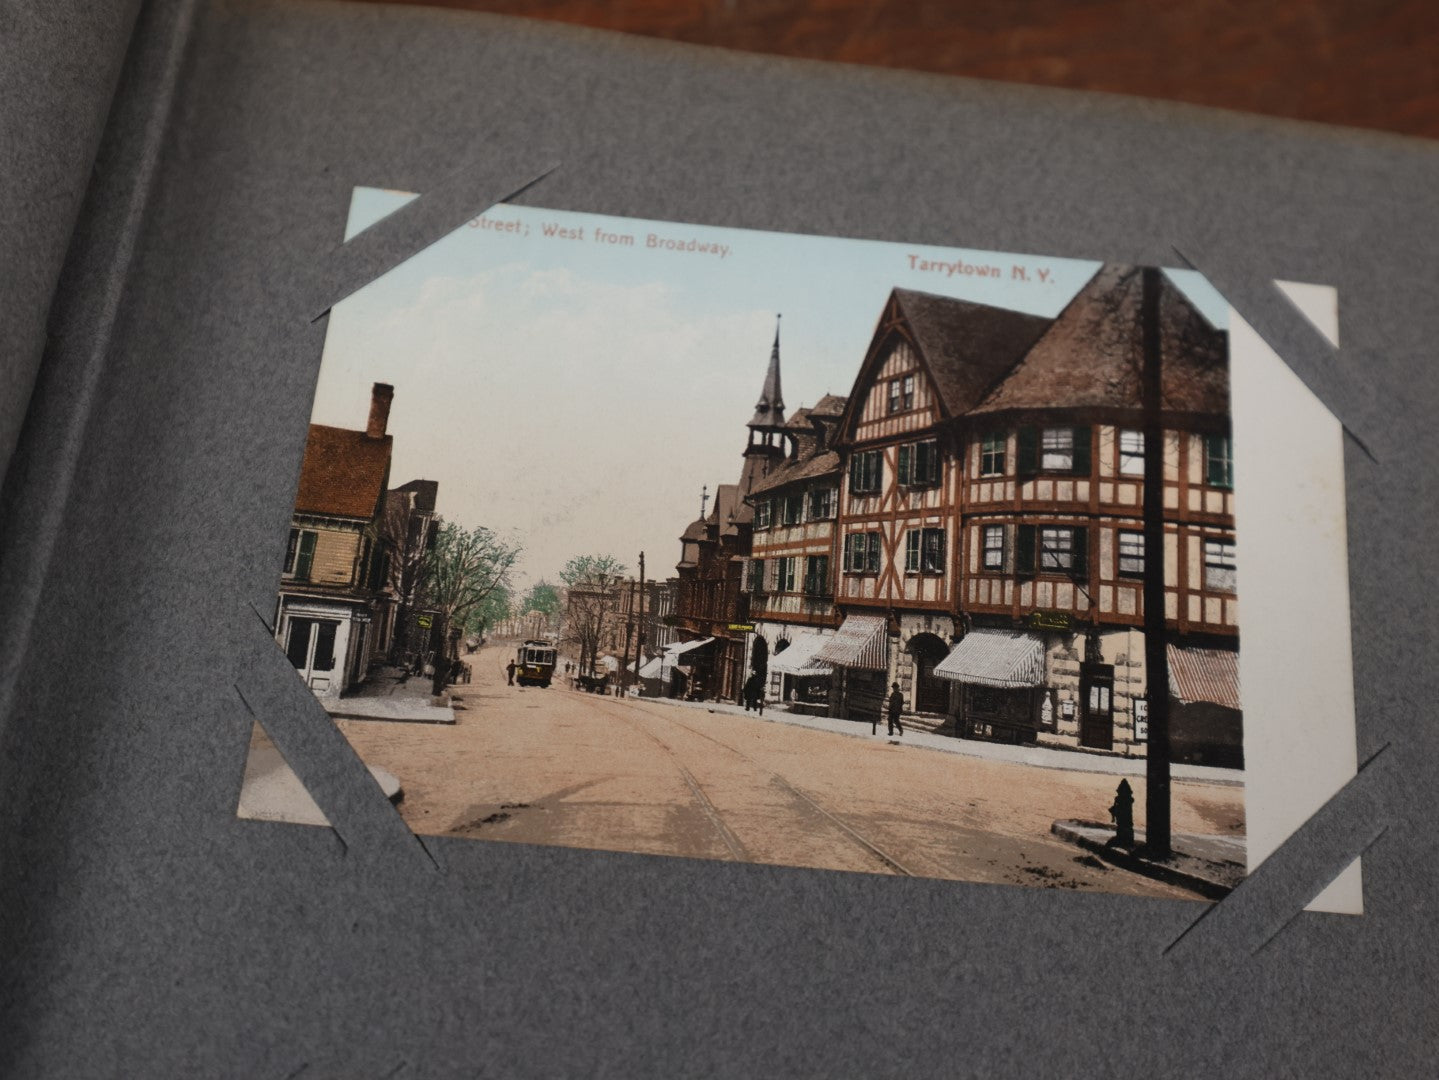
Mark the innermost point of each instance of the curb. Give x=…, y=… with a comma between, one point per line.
x=1128, y=860
x=341, y=715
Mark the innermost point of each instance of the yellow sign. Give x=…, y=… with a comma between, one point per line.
x=1050, y=620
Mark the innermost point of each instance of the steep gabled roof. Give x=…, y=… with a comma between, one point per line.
x=1092, y=355
x=829, y=405
x=343, y=474
x=966, y=346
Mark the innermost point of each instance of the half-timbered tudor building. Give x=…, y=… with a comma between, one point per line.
x=790, y=579
x=711, y=604
x=1052, y=533
x=931, y=360
x=990, y=531
x=333, y=581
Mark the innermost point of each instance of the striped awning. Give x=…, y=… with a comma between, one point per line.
x=1210, y=675
x=862, y=641
x=798, y=658
x=1005, y=659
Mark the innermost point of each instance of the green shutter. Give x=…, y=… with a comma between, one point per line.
x=854, y=484
x=306, y=558
x=873, y=552
x=1024, y=551
x=1081, y=451
x=906, y=464
x=1027, y=455
x=1079, y=570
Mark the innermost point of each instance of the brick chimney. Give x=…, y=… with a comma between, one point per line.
x=380, y=398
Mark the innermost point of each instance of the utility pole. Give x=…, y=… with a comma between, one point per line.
x=640, y=619
x=1156, y=639
x=629, y=633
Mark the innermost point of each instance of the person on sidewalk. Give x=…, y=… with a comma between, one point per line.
x=895, y=707
x=754, y=693
x=510, y=672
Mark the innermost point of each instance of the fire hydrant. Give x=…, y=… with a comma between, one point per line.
x=1122, y=813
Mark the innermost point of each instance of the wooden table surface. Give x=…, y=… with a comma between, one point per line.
x=1365, y=63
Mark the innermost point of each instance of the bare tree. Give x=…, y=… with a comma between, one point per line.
x=591, y=601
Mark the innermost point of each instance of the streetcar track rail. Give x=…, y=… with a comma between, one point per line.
x=737, y=850
x=885, y=858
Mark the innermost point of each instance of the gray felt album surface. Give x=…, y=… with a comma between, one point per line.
x=148, y=931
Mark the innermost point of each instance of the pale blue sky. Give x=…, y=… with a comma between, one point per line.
x=577, y=394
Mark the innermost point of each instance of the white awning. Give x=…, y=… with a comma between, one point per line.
x=1006, y=659
x=655, y=667
x=861, y=642
x=686, y=646
x=798, y=658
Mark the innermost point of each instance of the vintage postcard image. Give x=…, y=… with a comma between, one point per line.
x=704, y=542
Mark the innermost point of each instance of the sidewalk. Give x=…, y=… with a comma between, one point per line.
x=388, y=695
x=1043, y=757
x=1210, y=865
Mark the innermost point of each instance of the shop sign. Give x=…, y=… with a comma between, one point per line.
x=1141, y=720
x=424, y=620
x=1050, y=620
x=742, y=627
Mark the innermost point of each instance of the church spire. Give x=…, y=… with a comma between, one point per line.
x=769, y=411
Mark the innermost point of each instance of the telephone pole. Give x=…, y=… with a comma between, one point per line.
x=1156, y=642
x=640, y=620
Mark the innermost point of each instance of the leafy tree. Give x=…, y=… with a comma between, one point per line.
x=542, y=597
x=466, y=570
x=490, y=612
x=590, y=570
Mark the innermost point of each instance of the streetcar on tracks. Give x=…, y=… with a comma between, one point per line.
x=535, y=662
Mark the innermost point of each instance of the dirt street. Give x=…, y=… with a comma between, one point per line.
x=556, y=766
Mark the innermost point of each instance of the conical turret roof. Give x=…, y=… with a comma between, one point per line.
x=769, y=411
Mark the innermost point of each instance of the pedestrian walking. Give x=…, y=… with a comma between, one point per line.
x=896, y=706
x=754, y=693
x=510, y=672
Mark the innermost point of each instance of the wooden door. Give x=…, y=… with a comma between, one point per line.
x=1096, y=706
x=310, y=645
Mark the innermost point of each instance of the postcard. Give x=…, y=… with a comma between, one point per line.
x=864, y=556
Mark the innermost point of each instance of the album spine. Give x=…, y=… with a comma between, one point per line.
x=88, y=295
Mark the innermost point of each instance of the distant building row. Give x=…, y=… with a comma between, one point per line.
x=969, y=523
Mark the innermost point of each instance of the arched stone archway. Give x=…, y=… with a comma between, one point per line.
x=931, y=693
x=759, y=656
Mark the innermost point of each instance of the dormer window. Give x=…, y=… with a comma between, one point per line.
x=901, y=394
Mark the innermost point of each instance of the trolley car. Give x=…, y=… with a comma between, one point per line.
x=535, y=663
